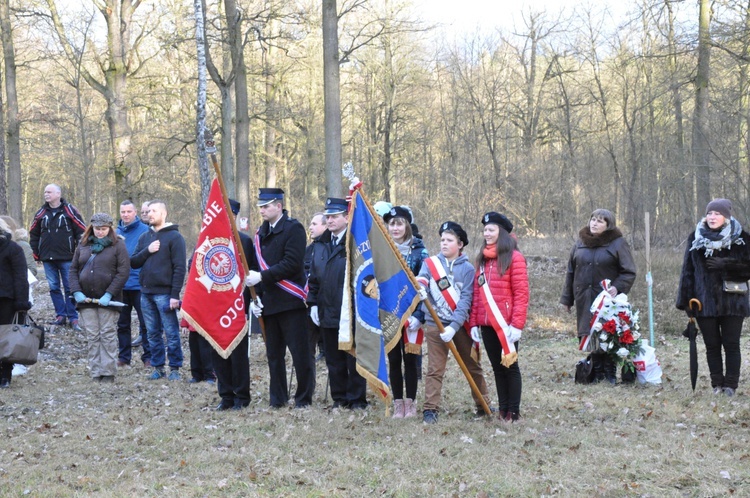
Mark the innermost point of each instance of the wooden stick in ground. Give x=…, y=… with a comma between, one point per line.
x=211, y=149
x=433, y=313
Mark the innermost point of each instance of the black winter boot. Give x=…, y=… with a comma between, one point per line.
x=610, y=370
x=597, y=364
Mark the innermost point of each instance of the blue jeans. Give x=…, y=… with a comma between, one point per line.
x=57, y=272
x=158, y=317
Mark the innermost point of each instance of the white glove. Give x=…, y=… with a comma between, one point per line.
x=447, y=336
x=413, y=325
x=252, y=278
x=314, y=315
x=355, y=184
x=256, y=308
x=514, y=334
x=476, y=334
x=422, y=293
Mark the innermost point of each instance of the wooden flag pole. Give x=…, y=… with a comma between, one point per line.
x=426, y=302
x=211, y=149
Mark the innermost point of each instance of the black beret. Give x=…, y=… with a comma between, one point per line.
x=455, y=228
x=497, y=219
x=398, y=212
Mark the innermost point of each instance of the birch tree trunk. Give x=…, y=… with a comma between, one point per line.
x=200, y=122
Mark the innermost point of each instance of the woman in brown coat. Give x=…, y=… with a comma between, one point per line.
x=98, y=272
x=600, y=253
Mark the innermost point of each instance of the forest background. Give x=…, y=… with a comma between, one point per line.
x=545, y=119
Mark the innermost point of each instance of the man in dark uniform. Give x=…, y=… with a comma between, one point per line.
x=280, y=245
x=327, y=271
x=233, y=373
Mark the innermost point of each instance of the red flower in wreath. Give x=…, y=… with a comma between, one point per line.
x=624, y=317
x=610, y=327
x=627, y=337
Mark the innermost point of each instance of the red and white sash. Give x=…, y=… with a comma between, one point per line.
x=496, y=318
x=287, y=285
x=449, y=292
x=597, y=305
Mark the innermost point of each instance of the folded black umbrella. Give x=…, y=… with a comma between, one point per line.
x=691, y=332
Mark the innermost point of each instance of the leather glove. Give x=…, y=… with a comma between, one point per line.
x=314, y=315
x=21, y=305
x=79, y=296
x=447, y=336
x=476, y=334
x=716, y=264
x=413, y=325
x=256, y=308
x=105, y=299
x=514, y=334
x=422, y=294
x=252, y=278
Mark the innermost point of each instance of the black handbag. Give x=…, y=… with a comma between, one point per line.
x=585, y=371
x=19, y=342
x=734, y=287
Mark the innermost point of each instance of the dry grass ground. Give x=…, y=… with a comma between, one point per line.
x=66, y=436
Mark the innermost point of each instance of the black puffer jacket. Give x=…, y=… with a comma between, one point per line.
x=14, y=283
x=107, y=272
x=327, y=269
x=697, y=281
x=54, y=233
x=593, y=259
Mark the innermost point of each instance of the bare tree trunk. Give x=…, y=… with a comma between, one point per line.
x=200, y=121
x=118, y=14
x=687, y=193
x=700, y=147
x=332, y=99
x=242, y=117
x=3, y=170
x=12, y=133
x=270, y=130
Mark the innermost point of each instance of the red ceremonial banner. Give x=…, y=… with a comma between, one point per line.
x=213, y=303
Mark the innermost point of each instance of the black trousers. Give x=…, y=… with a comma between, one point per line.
x=288, y=330
x=347, y=386
x=409, y=373
x=507, y=379
x=201, y=357
x=6, y=317
x=233, y=374
x=722, y=332
x=132, y=299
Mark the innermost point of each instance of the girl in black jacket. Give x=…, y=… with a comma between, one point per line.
x=717, y=252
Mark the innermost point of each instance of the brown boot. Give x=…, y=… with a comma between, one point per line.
x=410, y=408
x=398, y=408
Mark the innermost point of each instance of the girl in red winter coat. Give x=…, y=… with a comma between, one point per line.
x=498, y=311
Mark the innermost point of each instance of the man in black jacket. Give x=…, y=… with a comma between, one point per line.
x=316, y=229
x=280, y=247
x=160, y=254
x=54, y=236
x=327, y=271
x=233, y=373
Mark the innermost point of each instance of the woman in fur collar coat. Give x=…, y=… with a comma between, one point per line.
x=717, y=251
x=601, y=252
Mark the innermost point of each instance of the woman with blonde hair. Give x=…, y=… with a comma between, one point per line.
x=98, y=272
